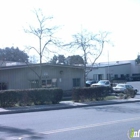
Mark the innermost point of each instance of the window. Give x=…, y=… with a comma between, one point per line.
x=34, y=83
x=54, y=82
x=43, y=83
x=127, y=86
x=100, y=76
x=130, y=86
x=107, y=83
x=116, y=75
x=49, y=83
x=76, y=82
x=3, y=86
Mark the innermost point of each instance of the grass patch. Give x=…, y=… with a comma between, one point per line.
x=110, y=98
x=93, y=100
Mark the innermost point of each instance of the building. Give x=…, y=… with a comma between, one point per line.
x=118, y=70
x=26, y=76
x=10, y=63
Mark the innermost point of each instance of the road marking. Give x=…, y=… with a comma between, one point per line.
x=78, y=128
x=89, y=126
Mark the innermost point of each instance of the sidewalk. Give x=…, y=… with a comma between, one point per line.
x=63, y=105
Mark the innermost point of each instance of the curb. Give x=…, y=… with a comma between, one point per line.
x=63, y=107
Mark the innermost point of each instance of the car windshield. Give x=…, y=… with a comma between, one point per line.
x=89, y=82
x=102, y=82
x=120, y=86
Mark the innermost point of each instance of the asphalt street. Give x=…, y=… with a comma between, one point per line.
x=108, y=122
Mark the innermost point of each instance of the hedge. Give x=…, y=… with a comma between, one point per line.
x=25, y=97
x=90, y=93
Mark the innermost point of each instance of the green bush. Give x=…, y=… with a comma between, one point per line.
x=40, y=96
x=90, y=93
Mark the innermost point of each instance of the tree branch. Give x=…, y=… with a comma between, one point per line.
x=45, y=45
x=34, y=49
x=102, y=46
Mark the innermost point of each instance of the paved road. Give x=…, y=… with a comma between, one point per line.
x=110, y=122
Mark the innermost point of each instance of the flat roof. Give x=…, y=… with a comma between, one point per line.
x=37, y=65
x=107, y=65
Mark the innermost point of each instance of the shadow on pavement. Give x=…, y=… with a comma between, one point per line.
x=17, y=132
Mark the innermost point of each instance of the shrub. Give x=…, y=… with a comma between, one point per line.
x=90, y=93
x=26, y=97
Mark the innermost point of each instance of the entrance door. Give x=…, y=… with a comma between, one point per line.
x=100, y=77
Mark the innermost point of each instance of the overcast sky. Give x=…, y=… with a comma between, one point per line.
x=120, y=17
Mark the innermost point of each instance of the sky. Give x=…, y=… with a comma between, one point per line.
x=120, y=17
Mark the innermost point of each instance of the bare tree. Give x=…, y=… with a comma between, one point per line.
x=89, y=45
x=44, y=33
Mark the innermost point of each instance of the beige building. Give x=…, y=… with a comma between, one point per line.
x=23, y=76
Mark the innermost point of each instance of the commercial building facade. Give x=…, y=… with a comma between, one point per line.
x=125, y=70
x=27, y=76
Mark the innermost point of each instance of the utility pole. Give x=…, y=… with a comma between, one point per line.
x=108, y=65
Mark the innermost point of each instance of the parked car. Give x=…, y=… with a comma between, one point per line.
x=90, y=82
x=136, y=90
x=125, y=88
x=102, y=83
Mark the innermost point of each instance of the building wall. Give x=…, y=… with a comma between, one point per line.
x=120, y=69
x=135, y=69
x=15, y=78
x=94, y=74
x=112, y=70
x=20, y=78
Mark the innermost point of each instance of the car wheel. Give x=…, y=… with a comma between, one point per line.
x=132, y=96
